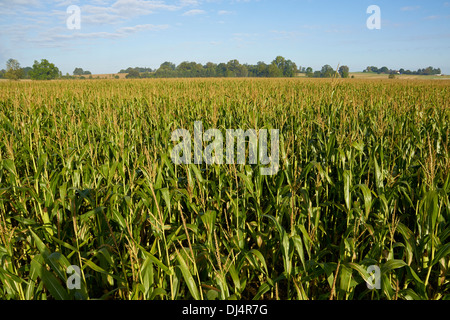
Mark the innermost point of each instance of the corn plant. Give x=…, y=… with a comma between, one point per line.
x=86, y=179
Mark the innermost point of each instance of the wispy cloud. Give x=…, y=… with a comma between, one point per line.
x=56, y=37
x=194, y=12
x=224, y=12
x=410, y=8
x=65, y=3
x=283, y=34
x=432, y=17
x=140, y=7
x=41, y=23
x=20, y=3
x=185, y=3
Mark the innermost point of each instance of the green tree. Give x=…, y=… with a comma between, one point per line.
x=383, y=70
x=44, y=70
x=26, y=72
x=262, y=69
x=327, y=71
x=221, y=69
x=242, y=71
x=210, y=69
x=133, y=74
x=166, y=70
x=280, y=63
x=290, y=69
x=146, y=74
x=274, y=71
x=189, y=69
x=287, y=67
x=168, y=65
x=13, y=70
x=344, y=71
x=78, y=72
x=233, y=68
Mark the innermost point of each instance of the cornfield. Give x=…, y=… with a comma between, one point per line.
x=86, y=180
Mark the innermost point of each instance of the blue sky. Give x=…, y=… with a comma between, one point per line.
x=116, y=34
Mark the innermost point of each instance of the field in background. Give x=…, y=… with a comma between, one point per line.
x=86, y=179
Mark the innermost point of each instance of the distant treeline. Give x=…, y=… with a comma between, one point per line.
x=422, y=72
x=280, y=67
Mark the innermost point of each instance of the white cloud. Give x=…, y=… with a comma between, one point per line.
x=283, y=34
x=141, y=27
x=15, y=6
x=122, y=10
x=185, y=3
x=194, y=12
x=410, y=8
x=224, y=12
x=55, y=37
x=101, y=18
x=140, y=7
x=24, y=2
x=65, y=3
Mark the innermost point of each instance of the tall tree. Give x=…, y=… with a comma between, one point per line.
x=210, y=69
x=233, y=68
x=290, y=69
x=44, y=70
x=287, y=67
x=78, y=72
x=327, y=71
x=168, y=65
x=13, y=70
x=133, y=74
x=262, y=69
x=344, y=71
x=221, y=69
x=383, y=70
x=273, y=71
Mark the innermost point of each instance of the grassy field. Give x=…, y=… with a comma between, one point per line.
x=86, y=179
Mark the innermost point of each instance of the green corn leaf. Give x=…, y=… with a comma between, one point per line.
x=53, y=285
x=391, y=265
x=367, y=199
x=156, y=261
x=190, y=282
x=347, y=183
x=442, y=252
